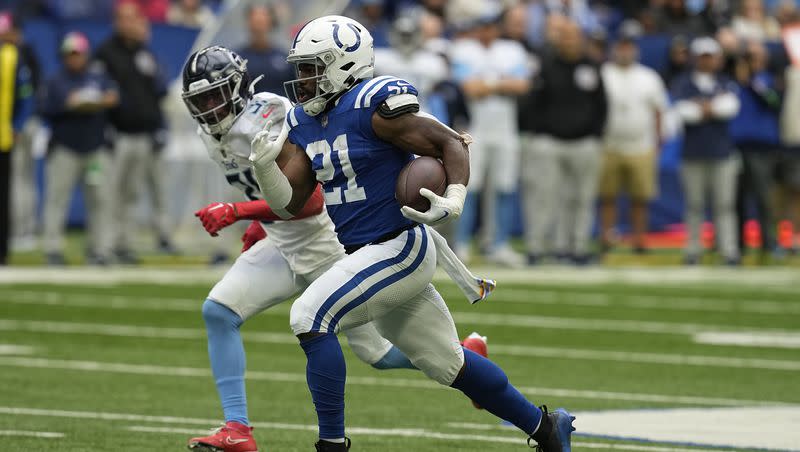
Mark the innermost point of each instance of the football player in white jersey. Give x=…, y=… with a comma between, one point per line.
x=218, y=92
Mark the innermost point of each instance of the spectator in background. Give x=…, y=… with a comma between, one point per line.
x=678, y=59
x=752, y=23
x=263, y=58
x=409, y=60
x=23, y=180
x=755, y=131
x=676, y=18
x=786, y=12
x=492, y=72
x=577, y=11
x=74, y=102
x=189, y=13
x=706, y=101
x=637, y=99
x=565, y=114
x=140, y=129
x=370, y=13
x=153, y=10
x=16, y=92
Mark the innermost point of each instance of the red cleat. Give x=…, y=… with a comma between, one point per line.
x=232, y=437
x=477, y=344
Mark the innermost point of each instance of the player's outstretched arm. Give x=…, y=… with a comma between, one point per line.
x=283, y=172
x=421, y=134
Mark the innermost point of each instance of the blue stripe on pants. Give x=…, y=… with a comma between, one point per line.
x=359, y=278
x=380, y=285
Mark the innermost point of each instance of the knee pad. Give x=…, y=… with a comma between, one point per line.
x=216, y=314
x=443, y=371
x=301, y=319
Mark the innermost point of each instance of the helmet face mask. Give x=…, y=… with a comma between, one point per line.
x=215, y=88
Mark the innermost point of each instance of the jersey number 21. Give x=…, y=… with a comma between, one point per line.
x=351, y=191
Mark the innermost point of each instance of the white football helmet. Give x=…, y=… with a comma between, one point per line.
x=330, y=55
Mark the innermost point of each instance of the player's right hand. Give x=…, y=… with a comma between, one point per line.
x=217, y=216
x=252, y=235
x=267, y=144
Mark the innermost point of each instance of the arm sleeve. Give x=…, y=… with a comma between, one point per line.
x=260, y=210
x=690, y=112
x=725, y=106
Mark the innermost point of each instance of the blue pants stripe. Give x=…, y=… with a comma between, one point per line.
x=380, y=285
x=360, y=277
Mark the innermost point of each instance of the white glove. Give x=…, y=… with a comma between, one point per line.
x=443, y=208
x=267, y=145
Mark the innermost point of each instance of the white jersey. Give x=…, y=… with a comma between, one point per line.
x=306, y=244
x=635, y=94
x=503, y=59
x=423, y=69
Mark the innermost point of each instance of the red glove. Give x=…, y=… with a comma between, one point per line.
x=253, y=234
x=220, y=215
x=217, y=216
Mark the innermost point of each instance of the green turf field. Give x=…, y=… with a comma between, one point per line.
x=123, y=367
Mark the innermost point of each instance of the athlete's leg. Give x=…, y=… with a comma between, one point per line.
x=386, y=275
x=242, y=293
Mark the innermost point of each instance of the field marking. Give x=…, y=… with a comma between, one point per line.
x=418, y=433
x=644, y=301
x=31, y=434
x=503, y=295
x=286, y=377
x=786, y=278
x=150, y=332
x=749, y=339
x=644, y=358
x=407, y=432
x=13, y=349
x=516, y=320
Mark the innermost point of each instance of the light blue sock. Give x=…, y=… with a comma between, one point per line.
x=504, y=216
x=466, y=223
x=394, y=359
x=226, y=352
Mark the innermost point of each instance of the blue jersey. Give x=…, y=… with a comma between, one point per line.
x=357, y=169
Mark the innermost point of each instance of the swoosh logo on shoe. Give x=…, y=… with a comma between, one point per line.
x=233, y=442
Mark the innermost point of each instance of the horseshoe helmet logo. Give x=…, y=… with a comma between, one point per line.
x=339, y=42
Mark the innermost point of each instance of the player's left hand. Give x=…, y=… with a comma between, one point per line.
x=267, y=145
x=252, y=235
x=443, y=208
x=217, y=216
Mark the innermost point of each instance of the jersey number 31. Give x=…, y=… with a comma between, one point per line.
x=336, y=158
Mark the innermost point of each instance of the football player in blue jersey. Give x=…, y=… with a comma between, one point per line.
x=354, y=133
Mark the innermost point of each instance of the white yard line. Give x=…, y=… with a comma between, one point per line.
x=162, y=371
x=670, y=302
x=409, y=432
x=13, y=349
x=786, y=279
x=502, y=296
x=512, y=350
x=474, y=317
x=31, y=434
x=641, y=357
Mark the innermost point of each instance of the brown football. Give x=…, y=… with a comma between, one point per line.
x=422, y=172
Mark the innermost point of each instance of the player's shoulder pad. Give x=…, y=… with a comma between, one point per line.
x=379, y=90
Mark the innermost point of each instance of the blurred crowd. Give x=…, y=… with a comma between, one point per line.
x=566, y=117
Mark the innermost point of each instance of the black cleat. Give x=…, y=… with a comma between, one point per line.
x=326, y=446
x=554, y=433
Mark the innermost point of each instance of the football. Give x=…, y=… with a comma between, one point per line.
x=422, y=172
